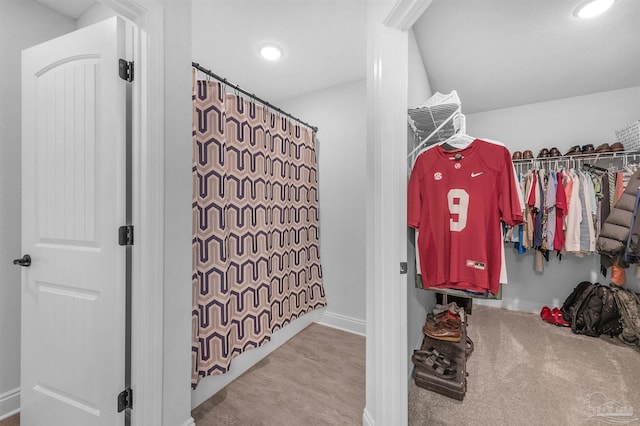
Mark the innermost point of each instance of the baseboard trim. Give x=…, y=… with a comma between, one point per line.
x=344, y=323
x=418, y=345
x=367, y=420
x=9, y=403
x=511, y=305
x=189, y=422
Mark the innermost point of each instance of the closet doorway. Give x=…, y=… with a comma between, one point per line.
x=507, y=125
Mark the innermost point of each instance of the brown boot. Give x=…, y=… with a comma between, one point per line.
x=618, y=275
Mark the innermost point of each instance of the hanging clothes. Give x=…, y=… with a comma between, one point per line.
x=561, y=212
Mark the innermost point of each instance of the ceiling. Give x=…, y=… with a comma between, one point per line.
x=71, y=8
x=324, y=43
x=503, y=53
x=495, y=53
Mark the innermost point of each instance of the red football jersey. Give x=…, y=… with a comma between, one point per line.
x=456, y=200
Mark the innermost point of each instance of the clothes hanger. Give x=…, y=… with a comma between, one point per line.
x=460, y=139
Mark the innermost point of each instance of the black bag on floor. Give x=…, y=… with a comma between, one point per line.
x=610, y=318
x=629, y=307
x=575, y=298
x=592, y=310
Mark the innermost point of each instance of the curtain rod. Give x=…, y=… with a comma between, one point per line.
x=253, y=96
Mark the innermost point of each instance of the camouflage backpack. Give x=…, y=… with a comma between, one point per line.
x=629, y=307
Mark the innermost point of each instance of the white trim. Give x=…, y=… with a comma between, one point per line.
x=418, y=345
x=129, y=9
x=148, y=207
x=419, y=340
x=367, y=420
x=511, y=305
x=405, y=13
x=344, y=323
x=211, y=385
x=189, y=422
x=9, y=403
x=387, y=79
x=387, y=75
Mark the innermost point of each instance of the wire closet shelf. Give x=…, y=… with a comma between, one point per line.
x=605, y=161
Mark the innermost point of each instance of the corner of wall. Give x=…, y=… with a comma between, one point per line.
x=9, y=403
x=94, y=14
x=343, y=322
x=189, y=422
x=367, y=419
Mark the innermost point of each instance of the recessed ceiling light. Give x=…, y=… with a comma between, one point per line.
x=591, y=8
x=270, y=52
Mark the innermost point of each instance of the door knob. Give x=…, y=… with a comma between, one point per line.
x=25, y=261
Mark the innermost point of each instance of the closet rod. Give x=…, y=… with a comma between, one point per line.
x=590, y=157
x=251, y=95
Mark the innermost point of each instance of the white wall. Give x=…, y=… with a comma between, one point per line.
x=340, y=115
x=176, y=382
x=561, y=123
x=94, y=14
x=23, y=23
x=419, y=86
x=419, y=301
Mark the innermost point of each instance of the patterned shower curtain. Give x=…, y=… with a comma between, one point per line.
x=256, y=258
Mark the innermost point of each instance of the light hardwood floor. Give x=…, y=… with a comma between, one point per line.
x=11, y=421
x=316, y=378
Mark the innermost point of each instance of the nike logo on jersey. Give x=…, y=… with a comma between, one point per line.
x=476, y=174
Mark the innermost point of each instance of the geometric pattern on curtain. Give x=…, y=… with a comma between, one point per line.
x=256, y=254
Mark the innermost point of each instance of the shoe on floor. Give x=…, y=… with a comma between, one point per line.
x=443, y=331
x=445, y=316
x=546, y=315
x=558, y=319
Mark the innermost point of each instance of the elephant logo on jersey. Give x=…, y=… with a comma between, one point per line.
x=437, y=175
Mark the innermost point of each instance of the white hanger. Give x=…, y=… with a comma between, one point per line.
x=460, y=139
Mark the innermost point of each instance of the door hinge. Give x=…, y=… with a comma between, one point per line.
x=125, y=400
x=126, y=70
x=125, y=235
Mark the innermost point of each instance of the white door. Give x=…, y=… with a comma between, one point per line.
x=73, y=202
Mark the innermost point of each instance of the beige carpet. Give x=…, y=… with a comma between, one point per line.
x=527, y=372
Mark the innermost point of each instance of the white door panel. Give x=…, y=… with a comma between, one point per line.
x=73, y=189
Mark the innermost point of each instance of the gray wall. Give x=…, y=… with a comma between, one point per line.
x=23, y=23
x=561, y=123
x=419, y=301
x=340, y=115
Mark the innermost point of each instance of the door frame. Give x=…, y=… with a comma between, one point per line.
x=148, y=207
x=388, y=24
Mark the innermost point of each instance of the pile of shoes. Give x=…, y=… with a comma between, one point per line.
x=574, y=150
x=440, y=363
x=444, y=323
